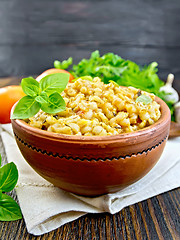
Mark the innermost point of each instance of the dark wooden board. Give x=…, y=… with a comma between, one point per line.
x=35, y=33
x=133, y=23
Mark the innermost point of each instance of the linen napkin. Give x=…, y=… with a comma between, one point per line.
x=45, y=207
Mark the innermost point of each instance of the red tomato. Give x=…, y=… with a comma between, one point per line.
x=8, y=97
x=54, y=70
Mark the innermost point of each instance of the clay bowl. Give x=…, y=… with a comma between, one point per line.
x=93, y=166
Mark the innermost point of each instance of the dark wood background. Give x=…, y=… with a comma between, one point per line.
x=35, y=33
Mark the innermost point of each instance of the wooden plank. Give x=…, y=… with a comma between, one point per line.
x=138, y=22
x=17, y=230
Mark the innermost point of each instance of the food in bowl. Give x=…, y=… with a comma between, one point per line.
x=97, y=109
x=89, y=165
x=88, y=162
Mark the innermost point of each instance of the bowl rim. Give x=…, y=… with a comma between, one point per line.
x=164, y=118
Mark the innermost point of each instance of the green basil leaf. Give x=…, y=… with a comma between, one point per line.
x=42, y=98
x=30, y=86
x=54, y=83
x=9, y=209
x=8, y=177
x=26, y=107
x=0, y=194
x=144, y=99
x=55, y=104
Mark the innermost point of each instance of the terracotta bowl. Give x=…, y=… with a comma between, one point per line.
x=93, y=166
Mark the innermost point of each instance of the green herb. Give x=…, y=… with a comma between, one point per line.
x=55, y=104
x=89, y=78
x=26, y=108
x=124, y=72
x=8, y=176
x=43, y=95
x=144, y=99
x=64, y=64
x=9, y=209
x=30, y=86
x=117, y=85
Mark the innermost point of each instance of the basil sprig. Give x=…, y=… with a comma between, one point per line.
x=43, y=95
x=9, y=209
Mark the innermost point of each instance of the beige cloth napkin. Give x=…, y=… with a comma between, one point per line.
x=46, y=207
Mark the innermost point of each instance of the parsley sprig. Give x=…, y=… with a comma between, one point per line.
x=43, y=95
x=9, y=209
x=111, y=67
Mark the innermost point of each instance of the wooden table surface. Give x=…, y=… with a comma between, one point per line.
x=155, y=218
